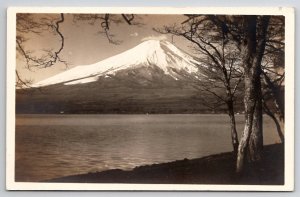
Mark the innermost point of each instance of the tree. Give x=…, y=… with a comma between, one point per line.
x=221, y=73
x=255, y=38
x=251, y=38
x=273, y=73
x=252, y=50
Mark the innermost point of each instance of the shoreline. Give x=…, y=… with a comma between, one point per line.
x=213, y=169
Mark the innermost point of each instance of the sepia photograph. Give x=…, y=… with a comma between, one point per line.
x=150, y=99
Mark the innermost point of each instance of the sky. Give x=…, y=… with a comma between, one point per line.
x=84, y=44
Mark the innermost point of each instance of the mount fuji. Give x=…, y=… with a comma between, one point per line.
x=152, y=56
x=153, y=77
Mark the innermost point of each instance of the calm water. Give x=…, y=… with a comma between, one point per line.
x=49, y=146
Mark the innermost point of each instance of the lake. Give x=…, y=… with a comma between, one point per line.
x=50, y=146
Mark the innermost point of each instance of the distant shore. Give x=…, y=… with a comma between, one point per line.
x=214, y=169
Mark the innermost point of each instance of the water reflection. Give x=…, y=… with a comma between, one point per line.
x=49, y=146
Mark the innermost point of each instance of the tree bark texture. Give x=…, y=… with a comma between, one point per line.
x=256, y=137
x=234, y=136
x=252, y=52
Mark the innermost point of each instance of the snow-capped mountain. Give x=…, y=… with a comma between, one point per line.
x=153, y=77
x=151, y=54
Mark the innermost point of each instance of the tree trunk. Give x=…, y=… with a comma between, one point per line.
x=256, y=137
x=234, y=136
x=249, y=102
x=278, y=126
x=252, y=51
x=276, y=93
x=248, y=53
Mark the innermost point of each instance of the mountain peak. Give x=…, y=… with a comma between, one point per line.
x=159, y=53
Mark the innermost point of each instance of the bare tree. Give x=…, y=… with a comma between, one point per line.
x=255, y=37
x=273, y=73
x=221, y=73
x=252, y=39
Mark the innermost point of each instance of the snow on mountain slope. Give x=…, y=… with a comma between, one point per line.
x=162, y=54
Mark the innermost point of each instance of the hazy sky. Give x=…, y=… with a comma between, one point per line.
x=84, y=45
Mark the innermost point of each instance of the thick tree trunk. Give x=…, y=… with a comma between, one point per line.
x=248, y=53
x=252, y=51
x=249, y=100
x=234, y=136
x=256, y=137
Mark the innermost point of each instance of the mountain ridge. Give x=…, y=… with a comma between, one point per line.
x=161, y=54
x=154, y=77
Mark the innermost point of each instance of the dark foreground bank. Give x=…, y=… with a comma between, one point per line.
x=214, y=169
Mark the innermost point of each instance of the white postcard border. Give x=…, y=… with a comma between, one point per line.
x=289, y=98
